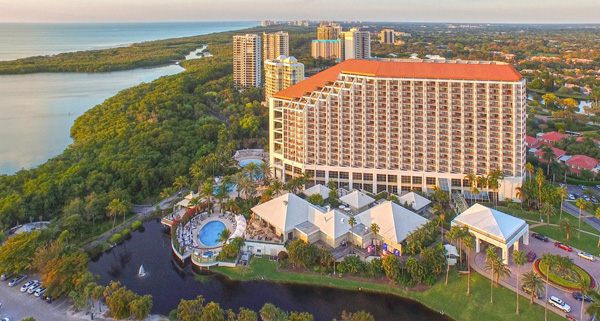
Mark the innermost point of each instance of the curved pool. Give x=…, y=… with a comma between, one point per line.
x=210, y=233
x=248, y=161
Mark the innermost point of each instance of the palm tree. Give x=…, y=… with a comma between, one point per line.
x=115, y=207
x=482, y=182
x=224, y=235
x=180, y=182
x=207, y=191
x=472, y=179
x=540, y=179
x=251, y=169
x=267, y=173
x=489, y=266
x=532, y=282
x=352, y=221
x=519, y=259
x=562, y=192
x=468, y=241
x=277, y=187
x=494, y=178
x=529, y=168
x=598, y=216
x=439, y=211
x=375, y=229
x=548, y=155
x=583, y=205
x=221, y=194
x=583, y=285
x=166, y=193
x=549, y=260
x=195, y=203
x=593, y=309
x=549, y=210
x=566, y=226
x=520, y=193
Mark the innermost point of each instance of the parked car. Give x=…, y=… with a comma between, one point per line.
x=585, y=197
x=39, y=292
x=29, y=284
x=17, y=280
x=5, y=276
x=586, y=256
x=34, y=288
x=531, y=256
x=540, y=237
x=577, y=296
x=598, y=186
x=537, y=293
x=562, y=185
x=556, y=302
x=6, y=319
x=563, y=246
x=583, y=187
x=571, y=196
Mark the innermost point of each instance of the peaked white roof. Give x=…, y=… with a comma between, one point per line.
x=395, y=222
x=286, y=211
x=357, y=199
x=415, y=200
x=317, y=189
x=491, y=222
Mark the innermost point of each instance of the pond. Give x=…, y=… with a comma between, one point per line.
x=168, y=282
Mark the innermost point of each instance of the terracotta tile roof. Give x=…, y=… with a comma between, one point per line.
x=582, y=161
x=557, y=153
x=530, y=139
x=553, y=136
x=581, y=139
x=427, y=70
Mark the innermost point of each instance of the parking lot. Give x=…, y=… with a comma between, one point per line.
x=17, y=305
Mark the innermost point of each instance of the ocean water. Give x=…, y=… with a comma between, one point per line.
x=37, y=111
x=19, y=40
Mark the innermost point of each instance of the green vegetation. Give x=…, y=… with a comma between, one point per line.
x=116, y=238
x=562, y=271
x=136, y=224
x=582, y=241
x=124, y=304
x=448, y=298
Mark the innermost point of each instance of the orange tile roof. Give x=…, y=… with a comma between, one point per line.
x=399, y=69
x=582, y=161
x=553, y=136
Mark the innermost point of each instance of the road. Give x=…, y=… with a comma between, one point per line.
x=540, y=247
x=589, y=218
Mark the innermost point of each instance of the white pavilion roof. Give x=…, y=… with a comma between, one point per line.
x=395, y=222
x=415, y=200
x=317, y=189
x=357, y=199
x=490, y=222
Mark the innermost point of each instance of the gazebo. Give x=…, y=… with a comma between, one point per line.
x=493, y=227
x=317, y=189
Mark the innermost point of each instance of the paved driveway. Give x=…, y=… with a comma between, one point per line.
x=539, y=248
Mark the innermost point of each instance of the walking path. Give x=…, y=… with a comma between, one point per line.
x=539, y=247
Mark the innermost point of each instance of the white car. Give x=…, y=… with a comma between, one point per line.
x=582, y=187
x=27, y=285
x=39, y=292
x=556, y=302
x=598, y=186
x=34, y=288
x=586, y=256
x=571, y=197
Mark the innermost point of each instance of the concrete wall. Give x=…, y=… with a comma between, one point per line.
x=265, y=248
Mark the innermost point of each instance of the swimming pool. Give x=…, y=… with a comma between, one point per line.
x=210, y=232
x=248, y=161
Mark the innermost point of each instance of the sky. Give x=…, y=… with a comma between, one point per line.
x=486, y=11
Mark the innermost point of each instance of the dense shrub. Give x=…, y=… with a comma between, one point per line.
x=117, y=238
x=136, y=224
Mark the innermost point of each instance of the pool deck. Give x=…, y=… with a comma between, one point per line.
x=189, y=235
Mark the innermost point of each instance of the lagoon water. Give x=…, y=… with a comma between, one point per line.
x=168, y=282
x=38, y=110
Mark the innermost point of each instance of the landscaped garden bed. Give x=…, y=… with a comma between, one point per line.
x=567, y=281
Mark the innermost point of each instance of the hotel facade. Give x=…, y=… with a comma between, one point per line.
x=247, y=61
x=282, y=73
x=276, y=44
x=401, y=125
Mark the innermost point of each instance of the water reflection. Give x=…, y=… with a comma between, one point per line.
x=169, y=281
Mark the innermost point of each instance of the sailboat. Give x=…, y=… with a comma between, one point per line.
x=142, y=271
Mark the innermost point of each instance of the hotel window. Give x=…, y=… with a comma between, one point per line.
x=380, y=177
x=405, y=179
x=357, y=176
x=358, y=186
x=393, y=189
x=456, y=182
x=320, y=174
x=417, y=180
x=430, y=180
x=297, y=170
x=333, y=174
x=368, y=188
x=344, y=175
x=368, y=177
x=380, y=188
x=392, y=178
x=405, y=188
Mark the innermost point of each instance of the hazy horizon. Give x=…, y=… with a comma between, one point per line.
x=418, y=11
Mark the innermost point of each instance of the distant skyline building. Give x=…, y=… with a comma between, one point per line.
x=327, y=49
x=355, y=44
x=329, y=31
x=247, y=61
x=282, y=73
x=400, y=125
x=387, y=36
x=275, y=45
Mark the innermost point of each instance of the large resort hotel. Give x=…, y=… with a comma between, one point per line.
x=382, y=125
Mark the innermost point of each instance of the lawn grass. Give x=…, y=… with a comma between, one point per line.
x=451, y=299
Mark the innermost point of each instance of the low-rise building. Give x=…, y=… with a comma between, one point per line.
x=558, y=153
x=577, y=163
x=417, y=202
x=551, y=137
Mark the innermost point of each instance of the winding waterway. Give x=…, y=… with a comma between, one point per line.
x=168, y=283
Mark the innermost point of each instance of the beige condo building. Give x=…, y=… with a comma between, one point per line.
x=247, y=61
x=355, y=44
x=329, y=31
x=402, y=125
x=275, y=45
x=387, y=36
x=282, y=73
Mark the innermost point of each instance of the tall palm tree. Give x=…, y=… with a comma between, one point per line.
x=207, y=191
x=549, y=260
x=277, y=187
x=540, y=179
x=489, y=267
x=494, y=178
x=251, y=169
x=352, y=221
x=482, y=182
x=583, y=285
x=439, y=211
x=529, y=168
x=375, y=230
x=562, y=192
x=532, y=282
x=221, y=194
x=195, y=203
x=224, y=235
x=267, y=173
x=549, y=210
x=520, y=193
x=593, y=309
x=519, y=259
x=583, y=205
x=115, y=207
x=472, y=179
x=180, y=182
x=166, y=193
x=566, y=226
x=548, y=156
x=468, y=241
